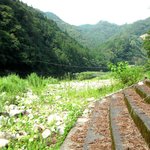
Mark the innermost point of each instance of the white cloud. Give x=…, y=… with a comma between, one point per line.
x=91, y=11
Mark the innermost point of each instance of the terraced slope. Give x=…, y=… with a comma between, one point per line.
x=120, y=121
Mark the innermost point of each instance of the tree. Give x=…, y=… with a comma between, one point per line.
x=147, y=43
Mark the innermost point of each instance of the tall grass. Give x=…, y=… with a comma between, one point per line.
x=13, y=84
x=128, y=75
x=38, y=83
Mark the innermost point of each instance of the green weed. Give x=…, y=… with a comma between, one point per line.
x=13, y=84
x=127, y=74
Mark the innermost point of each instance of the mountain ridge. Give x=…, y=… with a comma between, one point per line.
x=81, y=33
x=104, y=37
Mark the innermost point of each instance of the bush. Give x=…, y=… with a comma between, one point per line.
x=147, y=69
x=38, y=83
x=126, y=74
x=12, y=84
x=35, y=81
x=147, y=66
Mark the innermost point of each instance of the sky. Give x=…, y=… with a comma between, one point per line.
x=78, y=12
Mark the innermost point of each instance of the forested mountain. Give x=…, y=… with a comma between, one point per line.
x=109, y=42
x=126, y=45
x=34, y=41
x=90, y=36
x=147, y=44
x=29, y=42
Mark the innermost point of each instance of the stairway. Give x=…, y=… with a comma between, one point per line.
x=120, y=121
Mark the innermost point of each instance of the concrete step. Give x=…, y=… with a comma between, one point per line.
x=125, y=134
x=98, y=135
x=144, y=92
x=115, y=111
x=140, y=113
x=120, y=121
x=147, y=82
x=93, y=134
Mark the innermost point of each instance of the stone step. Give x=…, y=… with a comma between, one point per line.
x=144, y=92
x=120, y=121
x=98, y=135
x=93, y=133
x=140, y=113
x=125, y=134
x=114, y=113
x=75, y=138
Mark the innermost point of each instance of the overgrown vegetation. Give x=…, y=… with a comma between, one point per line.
x=128, y=75
x=147, y=43
x=44, y=98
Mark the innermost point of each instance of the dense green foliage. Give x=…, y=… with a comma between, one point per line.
x=128, y=75
x=30, y=42
x=122, y=48
x=147, y=43
x=90, y=36
x=109, y=42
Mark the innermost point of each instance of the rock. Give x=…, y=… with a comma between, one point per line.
x=10, y=107
x=140, y=83
x=58, y=97
x=21, y=134
x=3, y=142
x=30, y=116
x=61, y=129
x=29, y=111
x=53, y=117
x=90, y=99
x=16, y=112
x=58, y=123
x=46, y=133
x=39, y=128
x=5, y=135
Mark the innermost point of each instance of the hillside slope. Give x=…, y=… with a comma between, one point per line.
x=109, y=42
x=30, y=42
x=90, y=36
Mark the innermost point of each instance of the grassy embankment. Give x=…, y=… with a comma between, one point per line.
x=51, y=104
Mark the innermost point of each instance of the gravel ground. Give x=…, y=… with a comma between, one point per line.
x=78, y=85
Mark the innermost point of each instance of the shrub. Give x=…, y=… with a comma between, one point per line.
x=12, y=84
x=126, y=74
x=36, y=81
